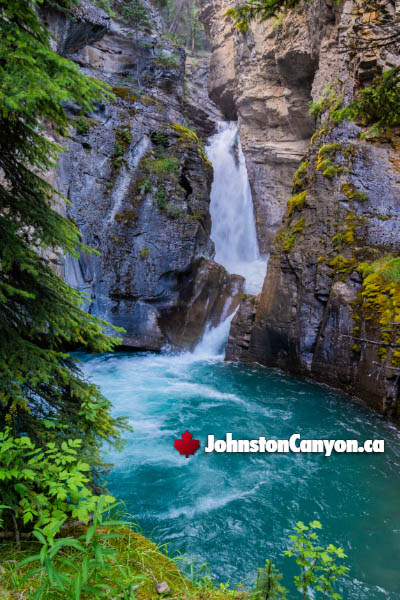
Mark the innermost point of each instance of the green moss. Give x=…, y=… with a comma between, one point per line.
x=347, y=231
x=324, y=163
x=144, y=253
x=379, y=303
x=299, y=178
x=290, y=237
x=243, y=297
x=188, y=137
x=162, y=167
x=350, y=190
x=296, y=202
x=341, y=265
x=196, y=215
x=330, y=100
x=317, y=135
x=125, y=93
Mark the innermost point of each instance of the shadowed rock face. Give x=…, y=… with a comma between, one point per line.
x=304, y=319
x=139, y=187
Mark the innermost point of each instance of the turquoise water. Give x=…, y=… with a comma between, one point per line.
x=233, y=511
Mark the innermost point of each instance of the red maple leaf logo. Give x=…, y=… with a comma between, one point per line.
x=186, y=445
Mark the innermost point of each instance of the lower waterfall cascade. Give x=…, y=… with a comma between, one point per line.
x=233, y=228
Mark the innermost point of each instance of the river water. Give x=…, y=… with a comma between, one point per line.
x=233, y=511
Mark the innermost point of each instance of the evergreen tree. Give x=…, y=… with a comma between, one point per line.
x=42, y=391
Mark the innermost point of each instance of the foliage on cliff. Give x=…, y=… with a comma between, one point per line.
x=42, y=392
x=378, y=106
x=256, y=10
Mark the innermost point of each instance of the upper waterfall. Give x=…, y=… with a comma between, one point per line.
x=233, y=229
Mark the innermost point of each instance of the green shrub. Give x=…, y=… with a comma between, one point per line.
x=145, y=186
x=319, y=568
x=377, y=107
x=162, y=167
x=45, y=485
x=169, y=62
x=123, y=138
x=136, y=13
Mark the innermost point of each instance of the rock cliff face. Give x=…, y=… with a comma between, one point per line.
x=318, y=314
x=139, y=186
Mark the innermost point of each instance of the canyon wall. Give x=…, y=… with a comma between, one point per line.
x=138, y=183
x=322, y=313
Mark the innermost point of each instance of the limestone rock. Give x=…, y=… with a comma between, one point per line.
x=162, y=587
x=139, y=185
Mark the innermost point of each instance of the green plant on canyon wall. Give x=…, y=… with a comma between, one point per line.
x=330, y=100
x=187, y=137
x=123, y=138
x=296, y=202
x=376, y=107
x=378, y=302
x=325, y=158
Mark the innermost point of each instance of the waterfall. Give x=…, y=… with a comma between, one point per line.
x=233, y=228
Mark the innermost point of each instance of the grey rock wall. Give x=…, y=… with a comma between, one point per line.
x=139, y=187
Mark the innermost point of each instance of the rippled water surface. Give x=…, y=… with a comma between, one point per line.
x=231, y=510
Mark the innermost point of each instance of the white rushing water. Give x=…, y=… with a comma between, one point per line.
x=233, y=229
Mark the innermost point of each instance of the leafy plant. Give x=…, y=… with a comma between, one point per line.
x=377, y=107
x=319, y=567
x=43, y=485
x=257, y=10
x=162, y=167
x=167, y=61
x=82, y=125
